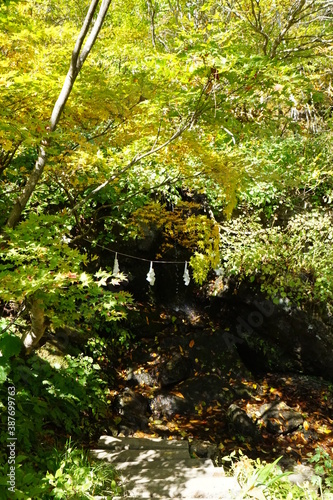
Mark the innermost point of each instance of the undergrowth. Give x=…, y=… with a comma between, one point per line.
x=266, y=481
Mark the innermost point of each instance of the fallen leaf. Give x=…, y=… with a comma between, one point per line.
x=191, y=344
x=176, y=393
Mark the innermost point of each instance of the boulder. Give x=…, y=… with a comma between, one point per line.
x=206, y=388
x=240, y=424
x=174, y=370
x=133, y=409
x=203, y=449
x=167, y=405
x=142, y=376
x=190, y=395
x=279, y=418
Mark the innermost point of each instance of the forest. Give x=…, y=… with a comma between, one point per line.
x=166, y=230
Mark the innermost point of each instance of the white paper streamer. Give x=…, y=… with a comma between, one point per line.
x=186, y=276
x=151, y=275
x=115, y=265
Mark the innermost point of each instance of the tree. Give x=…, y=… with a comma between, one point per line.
x=196, y=72
x=79, y=55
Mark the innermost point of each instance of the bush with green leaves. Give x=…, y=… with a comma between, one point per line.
x=41, y=272
x=281, y=234
x=10, y=346
x=75, y=476
x=63, y=474
x=323, y=466
x=76, y=392
x=52, y=402
x=294, y=262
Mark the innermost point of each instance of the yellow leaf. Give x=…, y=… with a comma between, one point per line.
x=6, y=145
x=306, y=425
x=323, y=430
x=176, y=393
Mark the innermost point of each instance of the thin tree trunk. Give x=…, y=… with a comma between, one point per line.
x=38, y=325
x=79, y=55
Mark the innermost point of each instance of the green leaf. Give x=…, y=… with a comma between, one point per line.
x=4, y=371
x=10, y=345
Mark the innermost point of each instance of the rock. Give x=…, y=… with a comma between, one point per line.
x=167, y=405
x=133, y=408
x=301, y=474
x=130, y=401
x=203, y=449
x=196, y=391
x=279, y=418
x=53, y=354
x=175, y=370
x=241, y=424
x=143, y=377
x=206, y=388
x=215, y=351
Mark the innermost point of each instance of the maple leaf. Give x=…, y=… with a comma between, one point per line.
x=85, y=279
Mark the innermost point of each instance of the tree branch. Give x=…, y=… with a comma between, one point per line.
x=77, y=61
x=292, y=19
x=134, y=161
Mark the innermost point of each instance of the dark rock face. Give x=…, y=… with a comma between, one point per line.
x=276, y=338
x=241, y=424
x=279, y=418
x=175, y=370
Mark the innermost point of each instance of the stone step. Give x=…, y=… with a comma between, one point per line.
x=198, y=464
x=157, y=473
x=140, y=456
x=130, y=443
x=178, y=486
x=162, y=469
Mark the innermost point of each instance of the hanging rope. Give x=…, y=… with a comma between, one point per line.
x=151, y=273
x=182, y=262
